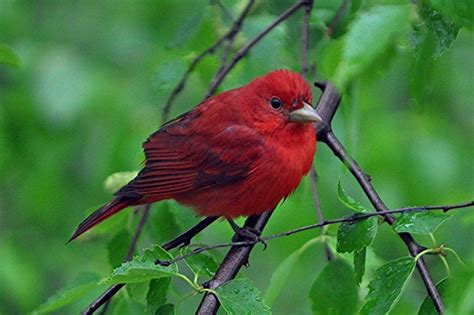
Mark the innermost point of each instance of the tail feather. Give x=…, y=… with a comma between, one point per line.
x=100, y=215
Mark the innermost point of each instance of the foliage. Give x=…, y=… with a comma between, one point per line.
x=326, y=294
x=81, y=86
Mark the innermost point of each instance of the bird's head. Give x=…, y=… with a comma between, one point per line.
x=282, y=100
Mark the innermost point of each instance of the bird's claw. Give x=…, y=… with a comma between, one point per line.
x=185, y=244
x=249, y=234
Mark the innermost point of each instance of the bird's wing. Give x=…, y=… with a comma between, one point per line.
x=180, y=159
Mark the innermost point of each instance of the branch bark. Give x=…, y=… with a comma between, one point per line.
x=230, y=266
x=364, y=181
x=182, y=239
x=229, y=37
x=238, y=255
x=220, y=75
x=353, y=218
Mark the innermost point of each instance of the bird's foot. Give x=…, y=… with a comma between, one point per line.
x=247, y=233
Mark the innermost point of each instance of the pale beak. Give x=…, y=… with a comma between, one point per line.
x=305, y=114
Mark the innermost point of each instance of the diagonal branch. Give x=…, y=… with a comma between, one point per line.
x=313, y=177
x=221, y=73
x=230, y=266
x=364, y=181
x=352, y=218
x=182, y=239
x=133, y=244
x=305, y=39
x=229, y=37
x=238, y=255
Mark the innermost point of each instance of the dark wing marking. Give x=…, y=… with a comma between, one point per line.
x=179, y=159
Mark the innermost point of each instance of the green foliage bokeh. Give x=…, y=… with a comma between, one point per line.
x=88, y=86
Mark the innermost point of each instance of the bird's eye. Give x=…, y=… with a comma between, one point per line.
x=275, y=103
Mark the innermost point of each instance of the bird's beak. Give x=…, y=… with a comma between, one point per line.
x=305, y=114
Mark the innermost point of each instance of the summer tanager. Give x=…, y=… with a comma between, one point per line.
x=238, y=153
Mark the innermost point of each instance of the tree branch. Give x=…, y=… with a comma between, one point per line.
x=313, y=177
x=230, y=266
x=352, y=218
x=304, y=39
x=364, y=181
x=182, y=239
x=133, y=244
x=339, y=13
x=238, y=255
x=185, y=237
x=229, y=37
x=220, y=75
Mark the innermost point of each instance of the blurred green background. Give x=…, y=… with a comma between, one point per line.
x=90, y=86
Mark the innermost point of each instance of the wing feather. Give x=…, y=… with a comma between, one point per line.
x=181, y=158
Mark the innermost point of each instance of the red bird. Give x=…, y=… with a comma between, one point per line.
x=236, y=154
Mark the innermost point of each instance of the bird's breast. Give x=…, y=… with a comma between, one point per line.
x=273, y=176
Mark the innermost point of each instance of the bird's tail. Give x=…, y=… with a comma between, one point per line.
x=100, y=215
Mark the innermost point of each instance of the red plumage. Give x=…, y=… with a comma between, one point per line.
x=235, y=154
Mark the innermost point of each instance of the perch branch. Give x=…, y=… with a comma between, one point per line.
x=313, y=177
x=182, y=239
x=238, y=255
x=220, y=75
x=229, y=37
x=353, y=218
x=305, y=39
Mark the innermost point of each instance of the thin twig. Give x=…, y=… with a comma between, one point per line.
x=313, y=177
x=305, y=39
x=183, y=238
x=223, y=9
x=353, y=218
x=229, y=36
x=220, y=75
x=238, y=255
x=228, y=47
x=230, y=266
x=340, y=11
x=133, y=244
x=364, y=181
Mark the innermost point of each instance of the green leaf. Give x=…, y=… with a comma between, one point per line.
x=369, y=36
x=348, y=201
x=8, y=57
x=272, y=47
x=240, y=296
x=460, y=290
x=334, y=291
x=168, y=73
x=143, y=268
x=419, y=222
x=117, y=248
x=387, y=285
x=331, y=57
x=282, y=272
x=430, y=37
x=82, y=285
x=428, y=308
x=433, y=27
x=355, y=235
x=202, y=264
x=460, y=11
x=356, y=5
x=129, y=307
x=117, y=180
x=166, y=309
x=137, y=291
x=156, y=296
x=359, y=264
